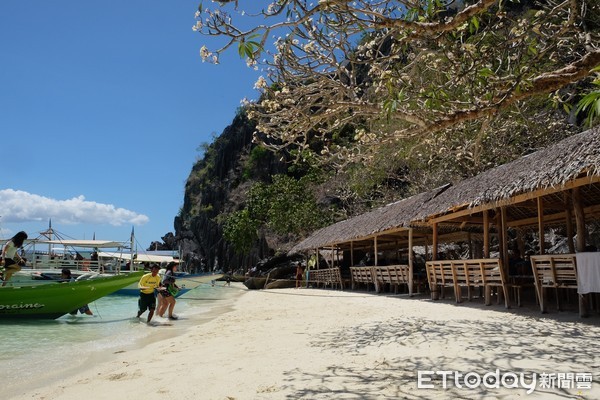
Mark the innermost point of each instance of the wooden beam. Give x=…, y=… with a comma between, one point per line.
x=434, y=246
x=332, y=256
x=541, y=224
x=579, y=220
x=410, y=262
x=569, y=222
x=376, y=250
x=486, y=234
x=591, y=210
x=547, y=205
x=463, y=210
x=504, y=234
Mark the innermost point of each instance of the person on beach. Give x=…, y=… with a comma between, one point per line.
x=161, y=273
x=10, y=256
x=167, y=292
x=299, y=274
x=147, y=284
x=65, y=276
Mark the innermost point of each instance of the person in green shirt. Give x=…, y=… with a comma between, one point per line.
x=147, y=284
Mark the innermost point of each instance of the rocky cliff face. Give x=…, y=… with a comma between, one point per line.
x=217, y=184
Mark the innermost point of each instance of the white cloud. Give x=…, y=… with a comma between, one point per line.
x=19, y=206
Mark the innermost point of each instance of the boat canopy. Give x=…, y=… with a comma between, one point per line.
x=153, y=258
x=101, y=244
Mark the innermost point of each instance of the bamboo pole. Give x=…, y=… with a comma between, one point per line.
x=540, y=210
x=376, y=251
x=410, y=262
x=332, y=256
x=569, y=222
x=504, y=235
x=579, y=220
x=470, y=242
x=486, y=234
x=434, y=245
x=581, y=240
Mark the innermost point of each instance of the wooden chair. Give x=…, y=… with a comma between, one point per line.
x=494, y=275
x=381, y=277
x=554, y=271
x=361, y=275
x=441, y=275
x=434, y=279
x=392, y=275
x=399, y=275
x=467, y=273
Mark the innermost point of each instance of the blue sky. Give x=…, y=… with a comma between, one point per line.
x=102, y=108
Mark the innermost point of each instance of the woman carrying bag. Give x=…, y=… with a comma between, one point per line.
x=167, y=292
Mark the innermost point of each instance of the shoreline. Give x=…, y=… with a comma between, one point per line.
x=323, y=344
x=161, y=329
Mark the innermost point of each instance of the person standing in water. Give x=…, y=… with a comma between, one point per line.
x=65, y=276
x=167, y=292
x=147, y=284
x=10, y=256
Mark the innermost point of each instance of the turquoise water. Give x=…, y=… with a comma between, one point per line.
x=30, y=350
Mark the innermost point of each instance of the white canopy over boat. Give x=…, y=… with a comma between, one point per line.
x=101, y=244
x=153, y=258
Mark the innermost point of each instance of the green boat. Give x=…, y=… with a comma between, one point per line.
x=54, y=300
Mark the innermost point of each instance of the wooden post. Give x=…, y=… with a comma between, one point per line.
x=486, y=234
x=352, y=253
x=581, y=239
x=540, y=210
x=332, y=256
x=375, y=263
x=569, y=222
x=434, y=246
x=410, y=262
x=579, y=220
x=504, y=235
x=376, y=251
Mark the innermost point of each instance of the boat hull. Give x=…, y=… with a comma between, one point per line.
x=54, y=300
x=185, y=283
x=133, y=290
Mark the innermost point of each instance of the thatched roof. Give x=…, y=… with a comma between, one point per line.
x=551, y=167
x=392, y=216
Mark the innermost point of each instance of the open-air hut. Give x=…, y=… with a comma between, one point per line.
x=558, y=185
x=386, y=228
x=555, y=186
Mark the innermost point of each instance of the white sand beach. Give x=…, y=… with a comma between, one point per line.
x=327, y=344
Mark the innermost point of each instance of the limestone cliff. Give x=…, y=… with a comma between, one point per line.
x=217, y=184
